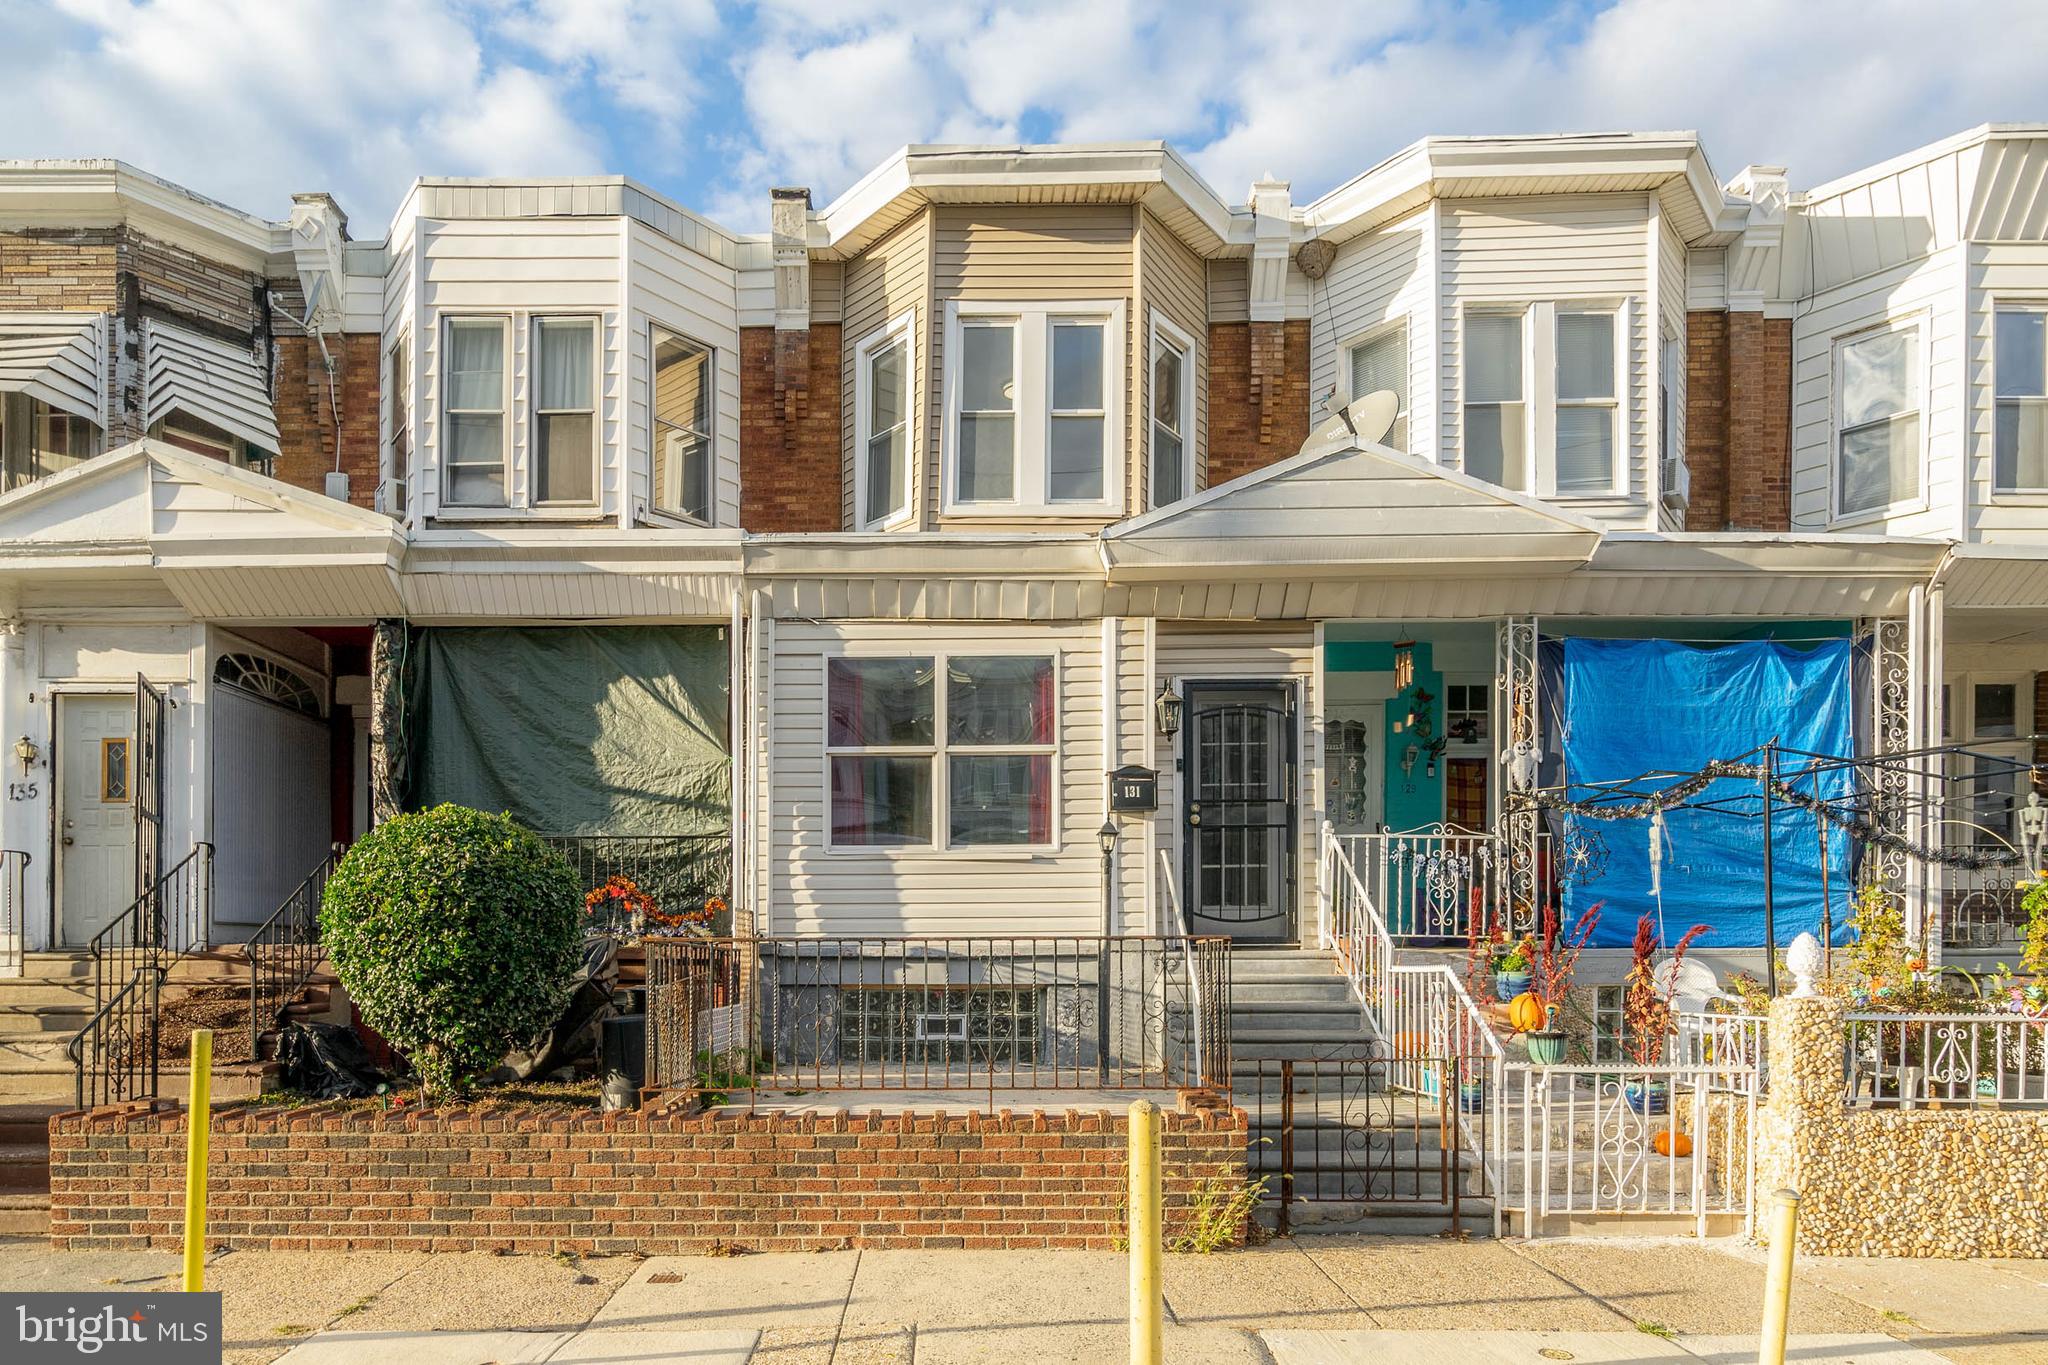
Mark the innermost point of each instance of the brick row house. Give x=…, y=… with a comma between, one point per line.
x=862, y=552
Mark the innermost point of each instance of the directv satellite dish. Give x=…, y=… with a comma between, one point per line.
x=1372, y=416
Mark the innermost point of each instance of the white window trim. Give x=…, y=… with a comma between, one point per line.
x=1539, y=390
x=535, y=411
x=1163, y=331
x=444, y=444
x=1915, y=322
x=939, y=750
x=902, y=327
x=1530, y=427
x=671, y=516
x=1032, y=405
x=1617, y=314
x=2016, y=303
x=398, y=392
x=1378, y=331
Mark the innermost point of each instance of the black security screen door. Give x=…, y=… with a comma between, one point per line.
x=148, y=783
x=1240, y=810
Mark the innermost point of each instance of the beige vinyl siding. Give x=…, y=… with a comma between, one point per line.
x=1375, y=279
x=1671, y=292
x=1173, y=283
x=1025, y=253
x=1558, y=248
x=813, y=889
x=699, y=297
x=888, y=279
x=1930, y=290
x=1230, y=290
x=2009, y=272
x=1888, y=221
x=828, y=290
x=519, y=268
x=1706, y=279
x=1267, y=652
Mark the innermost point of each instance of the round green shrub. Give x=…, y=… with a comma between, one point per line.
x=455, y=932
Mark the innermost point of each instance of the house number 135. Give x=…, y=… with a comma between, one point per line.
x=21, y=791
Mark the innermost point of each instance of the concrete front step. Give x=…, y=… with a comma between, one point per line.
x=22, y=1082
x=25, y=1167
x=33, y=994
x=55, y=966
x=66, y=1018
x=25, y=1215
x=1396, y=1218
x=34, y=1048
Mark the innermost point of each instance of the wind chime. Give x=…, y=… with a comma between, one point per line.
x=1404, y=665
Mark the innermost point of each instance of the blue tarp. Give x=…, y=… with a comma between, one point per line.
x=1638, y=706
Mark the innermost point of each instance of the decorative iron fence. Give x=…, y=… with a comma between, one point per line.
x=13, y=924
x=1600, y=1141
x=116, y=1054
x=285, y=951
x=676, y=876
x=1733, y=1044
x=1442, y=883
x=1910, y=1060
x=957, y=1014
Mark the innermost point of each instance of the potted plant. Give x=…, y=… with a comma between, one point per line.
x=1512, y=963
x=1557, y=956
x=1646, y=1016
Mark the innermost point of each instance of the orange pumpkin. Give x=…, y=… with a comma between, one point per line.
x=1526, y=1013
x=1668, y=1142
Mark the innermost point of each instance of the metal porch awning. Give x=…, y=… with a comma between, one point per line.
x=57, y=358
x=216, y=383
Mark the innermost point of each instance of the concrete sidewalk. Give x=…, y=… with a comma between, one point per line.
x=1320, y=1301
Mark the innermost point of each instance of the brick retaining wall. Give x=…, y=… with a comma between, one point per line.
x=458, y=1180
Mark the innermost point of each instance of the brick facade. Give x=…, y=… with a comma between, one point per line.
x=1258, y=395
x=790, y=457
x=47, y=269
x=538, y=1181
x=305, y=416
x=1738, y=421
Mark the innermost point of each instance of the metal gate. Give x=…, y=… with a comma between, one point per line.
x=1241, y=810
x=149, y=785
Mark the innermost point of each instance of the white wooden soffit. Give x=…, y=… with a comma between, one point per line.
x=206, y=379
x=57, y=358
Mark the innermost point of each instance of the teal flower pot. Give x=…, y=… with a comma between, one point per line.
x=1546, y=1047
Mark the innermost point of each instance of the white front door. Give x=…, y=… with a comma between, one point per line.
x=96, y=822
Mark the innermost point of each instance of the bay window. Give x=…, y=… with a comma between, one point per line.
x=565, y=410
x=1033, y=397
x=1586, y=402
x=1877, y=420
x=473, y=404
x=2021, y=344
x=1380, y=364
x=684, y=385
x=1496, y=418
x=1173, y=389
x=882, y=369
x=971, y=736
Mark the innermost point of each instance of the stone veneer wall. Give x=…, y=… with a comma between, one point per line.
x=1932, y=1183
x=329, y=1178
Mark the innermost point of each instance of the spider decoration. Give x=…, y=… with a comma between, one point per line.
x=1581, y=854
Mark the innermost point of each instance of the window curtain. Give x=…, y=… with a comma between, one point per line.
x=476, y=366
x=565, y=364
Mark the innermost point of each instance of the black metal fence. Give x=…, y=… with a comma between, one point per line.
x=116, y=1055
x=762, y=1017
x=285, y=951
x=641, y=883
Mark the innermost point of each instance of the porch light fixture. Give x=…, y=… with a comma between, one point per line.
x=25, y=749
x=1166, y=706
x=1106, y=836
x=1404, y=665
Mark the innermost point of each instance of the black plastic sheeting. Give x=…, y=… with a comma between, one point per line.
x=572, y=729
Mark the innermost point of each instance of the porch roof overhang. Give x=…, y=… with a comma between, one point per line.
x=543, y=573
x=1343, y=509
x=1995, y=577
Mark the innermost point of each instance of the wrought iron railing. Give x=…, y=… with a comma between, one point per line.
x=285, y=951
x=13, y=919
x=1731, y=1044
x=678, y=874
x=961, y=1014
x=1442, y=883
x=1913, y=1060
x=117, y=1054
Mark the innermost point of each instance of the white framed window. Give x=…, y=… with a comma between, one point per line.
x=942, y=751
x=1992, y=714
x=398, y=421
x=37, y=440
x=475, y=396
x=883, y=364
x=2020, y=356
x=183, y=430
x=1670, y=361
x=1034, y=403
x=1496, y=400
x=1380, y=361
x=564, y=411
x=684, y=384
x=1878, y=428
x=1172, y=475
x=1588, y=407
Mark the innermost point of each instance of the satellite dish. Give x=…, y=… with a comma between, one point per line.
x=1372, y=416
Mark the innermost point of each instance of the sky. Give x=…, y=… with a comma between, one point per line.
x=713, y=103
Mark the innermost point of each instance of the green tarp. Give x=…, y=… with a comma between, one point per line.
x=573, y=729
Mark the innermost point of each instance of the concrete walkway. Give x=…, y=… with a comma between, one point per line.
x=1320, y=1301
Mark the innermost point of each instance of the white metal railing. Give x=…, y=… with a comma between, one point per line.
x=1178, y=932
x=1730, y=1044
x=1443, y=882
x=1606, y=1141
x=1347, y=924
x=13, y=920
x=1910, y=1060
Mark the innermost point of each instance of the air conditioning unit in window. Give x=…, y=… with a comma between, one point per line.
x=1676, y=481
x=390, y=498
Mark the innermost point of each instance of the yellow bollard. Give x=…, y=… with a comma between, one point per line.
x=1148, y=1299
x=198, y=1119
x=1778, y=1279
